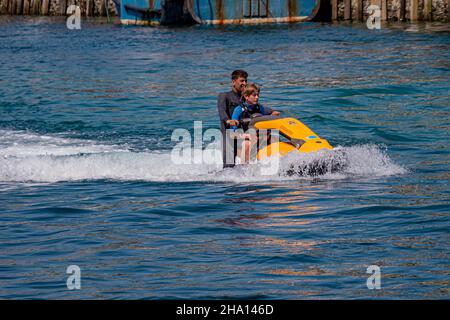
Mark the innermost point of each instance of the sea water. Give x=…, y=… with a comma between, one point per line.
x=87, y=175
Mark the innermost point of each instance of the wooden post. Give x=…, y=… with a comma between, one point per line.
x=3, y=6
x=81, y=4
x=63, y=7
x=11, y=9
x=334, y=10
x=448, y=10
x=384, y=11
x=428, y=8
x=378, y=3
x=347, y=9
x=37, y=4
x=402, y=12
x=102, y=8
x=359, y=10
x=414, y=10
x=32, y=7
x=26, y=7
x=19, y=8
x=89, y=7
x=45, y=7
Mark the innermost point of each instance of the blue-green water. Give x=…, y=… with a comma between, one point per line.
x=86, y=178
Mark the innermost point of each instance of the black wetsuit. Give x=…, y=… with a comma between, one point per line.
x=226, y=103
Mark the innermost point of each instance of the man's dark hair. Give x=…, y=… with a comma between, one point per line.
x=239, y=74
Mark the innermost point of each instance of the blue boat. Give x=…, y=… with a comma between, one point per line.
x=168, y=12
x=253, y=11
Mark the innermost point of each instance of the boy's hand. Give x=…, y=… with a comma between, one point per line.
x=275, y=113
x=233, y=122
x=246, y=136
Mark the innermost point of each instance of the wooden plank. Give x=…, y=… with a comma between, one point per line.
x=414, y=10
x=334, y=10
x=347, y=10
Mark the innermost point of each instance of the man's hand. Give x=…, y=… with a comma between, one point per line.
x=233, y=122
x=275, y=113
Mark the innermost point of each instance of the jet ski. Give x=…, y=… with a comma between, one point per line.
x=293, y=137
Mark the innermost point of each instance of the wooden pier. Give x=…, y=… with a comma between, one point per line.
x=330, y=10
x=55, y=7
x=392, y=10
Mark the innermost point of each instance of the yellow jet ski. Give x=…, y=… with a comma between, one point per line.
x=294, y=136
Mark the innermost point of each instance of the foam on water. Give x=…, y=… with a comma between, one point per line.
x=34, y=158
x=22, y=144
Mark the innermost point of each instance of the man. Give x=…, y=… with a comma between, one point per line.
x=226, y=103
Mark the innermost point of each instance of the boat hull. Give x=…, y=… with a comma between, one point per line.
x=220, y=12
x=139, y=12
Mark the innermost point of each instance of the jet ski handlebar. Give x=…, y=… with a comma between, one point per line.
x=257, y=117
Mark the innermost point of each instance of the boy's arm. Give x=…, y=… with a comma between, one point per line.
x=268, y=111
x=237, y=113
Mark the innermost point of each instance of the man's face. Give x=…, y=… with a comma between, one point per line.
x=239, y=84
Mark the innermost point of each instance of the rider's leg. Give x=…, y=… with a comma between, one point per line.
x=245, y=151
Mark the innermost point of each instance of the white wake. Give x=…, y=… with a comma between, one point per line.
x=29, y=157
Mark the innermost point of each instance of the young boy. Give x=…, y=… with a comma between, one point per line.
x=245, y=110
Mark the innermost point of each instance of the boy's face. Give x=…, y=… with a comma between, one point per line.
x=252, y=98
x=239, y=84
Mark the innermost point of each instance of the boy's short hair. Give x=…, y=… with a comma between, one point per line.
x=250, y=89
x=239, y=74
